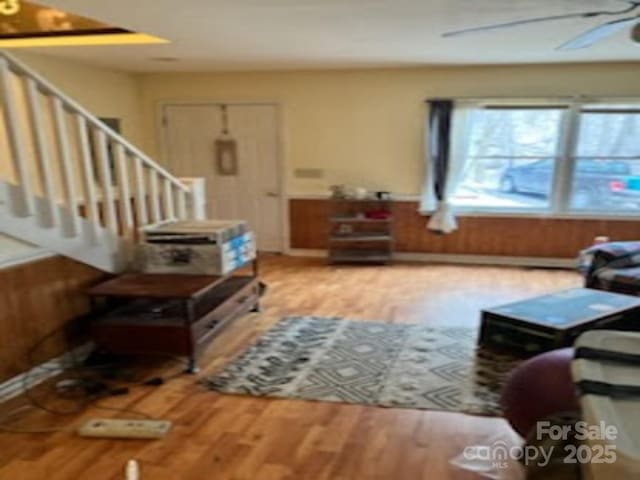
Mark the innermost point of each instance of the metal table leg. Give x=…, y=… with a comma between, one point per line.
x=190, y=320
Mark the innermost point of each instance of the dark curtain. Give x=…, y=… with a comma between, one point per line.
x=440, y=112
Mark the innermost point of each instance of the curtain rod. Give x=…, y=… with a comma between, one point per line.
x=483, y=99
x=574, y=98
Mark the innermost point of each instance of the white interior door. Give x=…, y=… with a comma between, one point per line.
x=254, y=193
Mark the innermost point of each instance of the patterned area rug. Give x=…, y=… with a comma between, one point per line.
x=370, y=363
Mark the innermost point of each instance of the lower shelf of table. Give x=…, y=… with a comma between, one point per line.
x=360, y=256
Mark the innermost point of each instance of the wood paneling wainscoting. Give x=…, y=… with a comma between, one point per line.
x=37, y=298
x=491, y=236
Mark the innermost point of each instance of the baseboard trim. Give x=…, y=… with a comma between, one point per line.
x=541, y=262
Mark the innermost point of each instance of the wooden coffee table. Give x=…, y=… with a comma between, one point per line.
x=169, y=314
x=554, y=321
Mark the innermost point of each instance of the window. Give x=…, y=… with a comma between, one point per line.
x=555, y=159
x=512, y=155
x=607, y=159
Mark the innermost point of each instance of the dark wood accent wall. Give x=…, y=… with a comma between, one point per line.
x=514, y=237
x=37, y=298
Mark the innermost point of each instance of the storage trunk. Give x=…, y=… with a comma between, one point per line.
x=196, y=248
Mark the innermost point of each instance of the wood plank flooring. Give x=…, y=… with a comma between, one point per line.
x=218, y=437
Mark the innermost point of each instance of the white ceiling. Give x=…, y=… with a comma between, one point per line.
x=301, y=34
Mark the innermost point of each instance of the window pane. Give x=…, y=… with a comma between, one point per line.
x=606, y=185
x=514, y=184
x=609, y=134
x=515, y=132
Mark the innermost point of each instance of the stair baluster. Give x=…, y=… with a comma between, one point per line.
x=70, y=200
x=45, y=165
x=22, y=201
x=154, y=197
x=124, y=197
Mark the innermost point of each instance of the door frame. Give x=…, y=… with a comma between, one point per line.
x=281, y=154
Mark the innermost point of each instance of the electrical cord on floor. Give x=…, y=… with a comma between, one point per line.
x=88, y=399
x=87, y=402
x=6, y=426
x=71, y=354
x=4, y=429
x=130, y=411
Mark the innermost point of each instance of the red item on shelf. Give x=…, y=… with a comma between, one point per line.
x=378, y=214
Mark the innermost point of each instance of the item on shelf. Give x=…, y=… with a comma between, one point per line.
x=339, y=191
x=345, y=229
x=196, y=248
x=346, y=192
x=360, y=193
x=380, y=214
x=382, y=195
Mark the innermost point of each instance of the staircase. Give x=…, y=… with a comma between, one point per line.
x=72, y=185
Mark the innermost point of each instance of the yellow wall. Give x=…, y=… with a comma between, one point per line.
x=362, y=127
x=366, y=127
x=105, y=93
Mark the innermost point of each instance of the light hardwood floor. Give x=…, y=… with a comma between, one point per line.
x=241, y=438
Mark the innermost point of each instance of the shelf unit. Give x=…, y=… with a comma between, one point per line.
x=368, y=237
x=355, y=237
x=359, y=220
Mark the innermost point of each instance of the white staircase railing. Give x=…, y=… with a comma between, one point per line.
x=71, y=183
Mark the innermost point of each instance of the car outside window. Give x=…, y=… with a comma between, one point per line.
x=522, y=159
x=607, y=159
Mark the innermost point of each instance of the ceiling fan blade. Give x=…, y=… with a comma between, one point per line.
x=599, y=33
x=516, y=23
x=633, y=6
